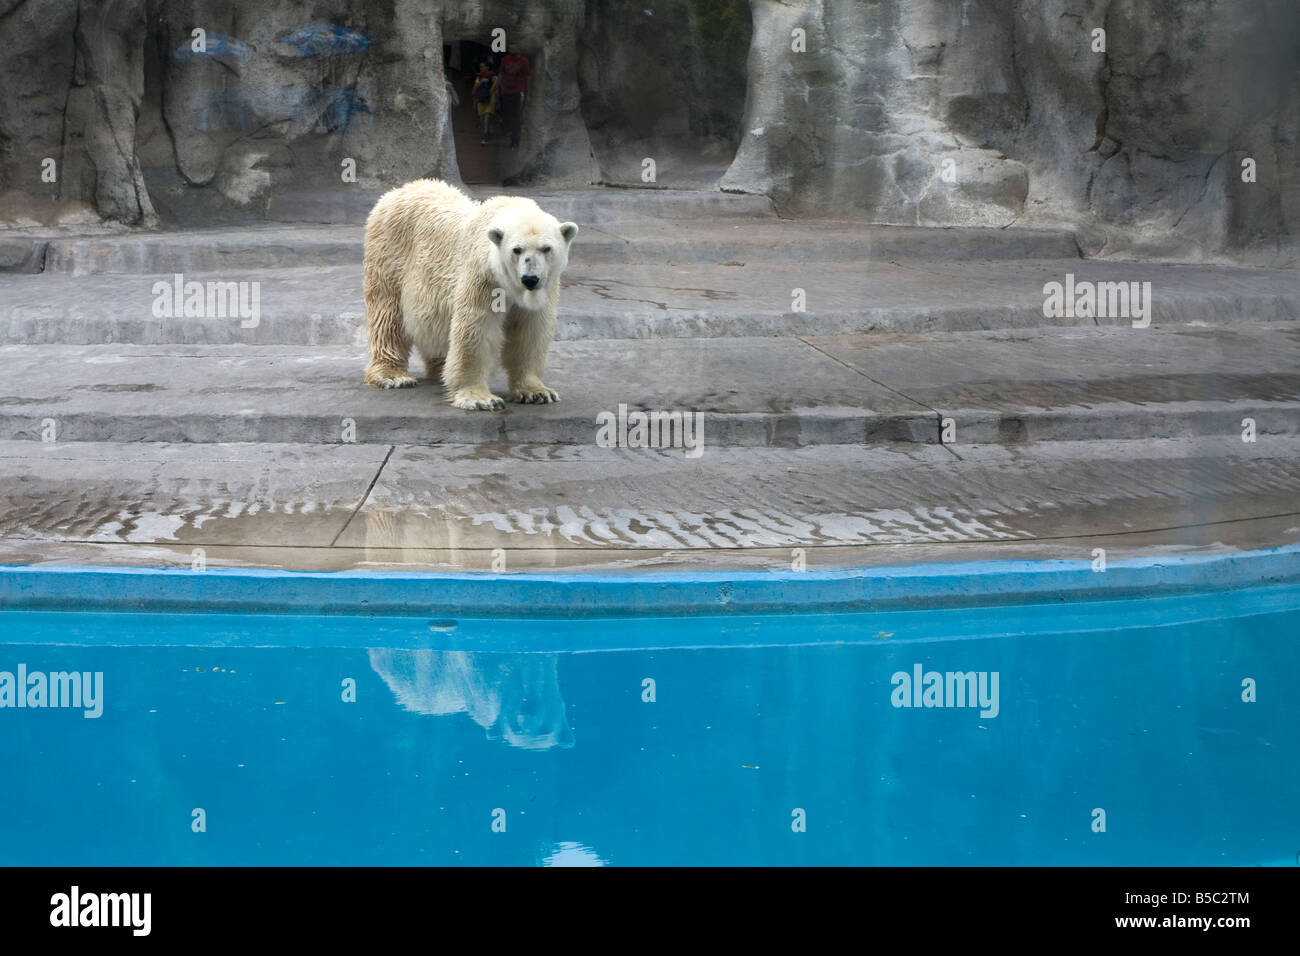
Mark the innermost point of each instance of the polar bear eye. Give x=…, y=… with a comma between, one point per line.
x=517, y=250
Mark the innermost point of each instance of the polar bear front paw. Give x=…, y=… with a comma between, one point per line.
x=477, y=400
x=393, y=380
x=533, y=395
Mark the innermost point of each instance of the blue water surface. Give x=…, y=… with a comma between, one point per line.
x=708, y=741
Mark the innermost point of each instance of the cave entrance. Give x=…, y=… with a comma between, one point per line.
x=479, y=162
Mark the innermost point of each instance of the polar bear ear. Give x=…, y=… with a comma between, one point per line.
x=496, y=235
x=568, y=230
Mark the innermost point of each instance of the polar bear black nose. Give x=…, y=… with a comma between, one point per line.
x=530, y=282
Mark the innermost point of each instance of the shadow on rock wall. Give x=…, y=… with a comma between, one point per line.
x=665, y=84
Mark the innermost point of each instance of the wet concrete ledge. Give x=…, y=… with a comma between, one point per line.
x=1191, y=587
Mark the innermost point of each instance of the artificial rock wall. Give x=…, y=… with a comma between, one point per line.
x=931, y=112
x=944, y=112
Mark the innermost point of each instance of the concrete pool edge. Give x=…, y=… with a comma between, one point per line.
x=947, y=585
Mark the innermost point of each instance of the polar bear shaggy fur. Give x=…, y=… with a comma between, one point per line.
x=436, y=263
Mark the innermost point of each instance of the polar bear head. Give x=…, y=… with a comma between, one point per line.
x=529, y=251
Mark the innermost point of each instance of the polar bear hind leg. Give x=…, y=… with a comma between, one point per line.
x=433, y=367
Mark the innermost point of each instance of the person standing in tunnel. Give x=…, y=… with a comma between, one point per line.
x=487, y=97
x=515, y=72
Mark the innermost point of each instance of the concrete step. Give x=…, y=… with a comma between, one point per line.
x=1005, y=387
x=650, y=243
x=324, y=305
x=606, y=205
x=464, y=507
x=336, y=203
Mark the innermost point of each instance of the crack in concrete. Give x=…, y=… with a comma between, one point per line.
x=601, y=287
x=365, y=497
x=937, y=413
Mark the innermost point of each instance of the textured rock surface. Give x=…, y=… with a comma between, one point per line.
x=73, y=81
x=276, y=117
x=926, y=112
x=1143, y=140
x=843, y=118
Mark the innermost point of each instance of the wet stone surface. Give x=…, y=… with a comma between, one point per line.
x=376, y=505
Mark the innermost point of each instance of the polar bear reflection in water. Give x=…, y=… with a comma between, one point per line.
x=514, y=697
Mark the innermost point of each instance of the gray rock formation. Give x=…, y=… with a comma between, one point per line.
x=357, y=100
x=73, y=82
x=1139, y=141
x=845, y=118
x=1177, y=136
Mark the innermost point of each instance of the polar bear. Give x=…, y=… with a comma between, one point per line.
x=468, y=284
x=514, y=697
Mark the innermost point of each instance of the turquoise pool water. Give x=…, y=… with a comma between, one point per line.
x=723, y=738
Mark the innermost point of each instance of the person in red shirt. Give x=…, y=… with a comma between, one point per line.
x=515, y=72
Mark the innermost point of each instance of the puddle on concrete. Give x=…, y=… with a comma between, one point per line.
x=111, y=520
